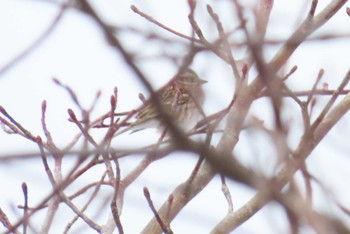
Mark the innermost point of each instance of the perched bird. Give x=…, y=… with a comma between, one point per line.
x=182, y=99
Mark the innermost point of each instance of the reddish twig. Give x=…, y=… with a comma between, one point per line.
x=6, y=222
x=164, y=226
x=83, y=130
x=152, y=20
x=312, y=9
x=70, y=92
x=24, y=132
x=291, y=72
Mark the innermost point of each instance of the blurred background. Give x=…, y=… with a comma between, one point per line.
x=75, y=52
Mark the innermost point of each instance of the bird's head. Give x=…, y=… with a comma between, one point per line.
x=189, y=80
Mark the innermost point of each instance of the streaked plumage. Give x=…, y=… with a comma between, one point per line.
x=182, y=100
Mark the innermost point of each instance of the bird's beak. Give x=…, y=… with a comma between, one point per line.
x=203, y=81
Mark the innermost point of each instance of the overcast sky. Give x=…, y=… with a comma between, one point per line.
x=77, y=54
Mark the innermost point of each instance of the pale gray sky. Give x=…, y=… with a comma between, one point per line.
x=77, y=54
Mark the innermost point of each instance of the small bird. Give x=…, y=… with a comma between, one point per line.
x=182, y=99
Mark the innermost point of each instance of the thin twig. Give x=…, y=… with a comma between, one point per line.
x=226, y=44
x=128, y=58
x=25, y=207
x=48, y=171
x=80, y=213
x=318, y=79
x=114, y=204
x=331, y=101
x=212, y=47
x=291, y=72
x=24, y=131
x=225, y=190
x=165, y=226
x=70, y=92
x=313, y=8
x=152, y=20
x=93, y=195
x=84, y=130
x=6, y=222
